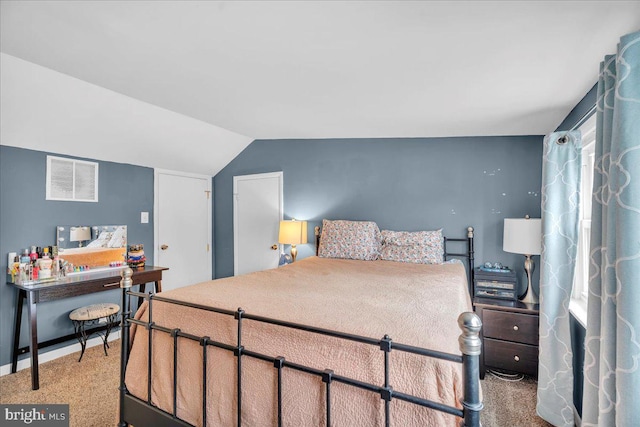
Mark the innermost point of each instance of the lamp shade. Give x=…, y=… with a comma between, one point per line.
x=79, y=234
x=522, y=236
x=293, y=232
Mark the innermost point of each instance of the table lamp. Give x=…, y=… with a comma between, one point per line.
x=293, y=233
x=524, y=236
x=79, y=234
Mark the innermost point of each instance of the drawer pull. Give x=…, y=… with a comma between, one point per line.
x=515, y=327
x=516, y=358
x=111, y=284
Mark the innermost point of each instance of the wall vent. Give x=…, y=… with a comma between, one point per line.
x=72, y=180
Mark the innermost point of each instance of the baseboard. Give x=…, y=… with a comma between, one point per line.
x=59, y=352
x=577, y=420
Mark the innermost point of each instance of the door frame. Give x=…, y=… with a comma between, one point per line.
x=156, y=211
x=268, y=175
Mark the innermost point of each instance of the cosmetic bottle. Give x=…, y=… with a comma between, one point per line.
x=34, y=254
x=44, y=264
x=55, y=267
x=25, y=258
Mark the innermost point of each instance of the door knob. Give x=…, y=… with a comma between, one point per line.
x=164, y=247
x=274, y=247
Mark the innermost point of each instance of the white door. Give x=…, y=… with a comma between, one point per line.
x=182, y=228
x=257, y=211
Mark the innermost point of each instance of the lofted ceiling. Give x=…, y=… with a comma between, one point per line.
x=312, y=69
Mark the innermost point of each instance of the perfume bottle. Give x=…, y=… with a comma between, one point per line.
x=44, y=264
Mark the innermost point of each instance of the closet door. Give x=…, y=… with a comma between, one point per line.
x=182, y=228
x=257, y=211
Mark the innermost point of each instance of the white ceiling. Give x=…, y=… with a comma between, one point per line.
x=332, y=69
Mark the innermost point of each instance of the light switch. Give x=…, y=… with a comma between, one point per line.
x=144, y=217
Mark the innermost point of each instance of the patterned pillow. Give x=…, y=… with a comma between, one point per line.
x=350, y=239
x=420, y=247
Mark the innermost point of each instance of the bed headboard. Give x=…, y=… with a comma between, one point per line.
x=316, y=230
x=469, y=254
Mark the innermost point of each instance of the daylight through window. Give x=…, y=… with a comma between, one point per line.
x=581, y=279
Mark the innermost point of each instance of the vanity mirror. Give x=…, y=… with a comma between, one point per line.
x=92, y=246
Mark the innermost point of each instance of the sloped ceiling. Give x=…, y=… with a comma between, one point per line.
x=44, y=110
x=327, y=69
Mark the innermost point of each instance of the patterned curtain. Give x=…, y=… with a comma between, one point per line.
x=612, y=355
x=561, y=173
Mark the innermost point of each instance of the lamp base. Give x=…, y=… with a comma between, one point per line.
x=294, y=253
x=529, y=267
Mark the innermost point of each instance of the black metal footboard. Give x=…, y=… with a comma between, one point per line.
x=143, y=413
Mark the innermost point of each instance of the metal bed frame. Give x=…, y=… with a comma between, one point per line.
x=469, y=255
x=139, y=413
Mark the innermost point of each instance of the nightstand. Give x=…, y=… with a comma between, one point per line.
x=509, y=335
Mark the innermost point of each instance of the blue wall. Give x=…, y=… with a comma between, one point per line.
x=402, y=184
x=27, y=219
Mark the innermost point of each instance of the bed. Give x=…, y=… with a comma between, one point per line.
x=323, y=341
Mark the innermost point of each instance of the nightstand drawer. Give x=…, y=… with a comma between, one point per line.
x=511, y=356
x=503, y=325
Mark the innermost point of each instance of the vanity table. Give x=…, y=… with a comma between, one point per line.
x=66, y=287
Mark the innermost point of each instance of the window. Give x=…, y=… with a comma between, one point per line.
x=72, y=180
x=578, y=304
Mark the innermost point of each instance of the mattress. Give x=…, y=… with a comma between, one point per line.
x=415, y=304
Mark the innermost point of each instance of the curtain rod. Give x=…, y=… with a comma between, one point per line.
x=565, y=138
x=584, y=118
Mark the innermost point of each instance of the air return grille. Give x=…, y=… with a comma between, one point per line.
x=72, y=180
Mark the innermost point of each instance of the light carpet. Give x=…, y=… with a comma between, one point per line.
x=91, y=390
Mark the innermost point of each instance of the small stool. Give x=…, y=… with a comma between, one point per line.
x=90, y=315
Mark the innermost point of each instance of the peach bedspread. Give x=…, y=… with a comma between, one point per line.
x=414, y=304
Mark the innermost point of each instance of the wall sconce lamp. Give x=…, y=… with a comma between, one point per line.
x=524, y=236
x=293, y=233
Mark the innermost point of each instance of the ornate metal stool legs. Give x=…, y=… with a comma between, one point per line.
x=93, y=315
x=80, y=327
